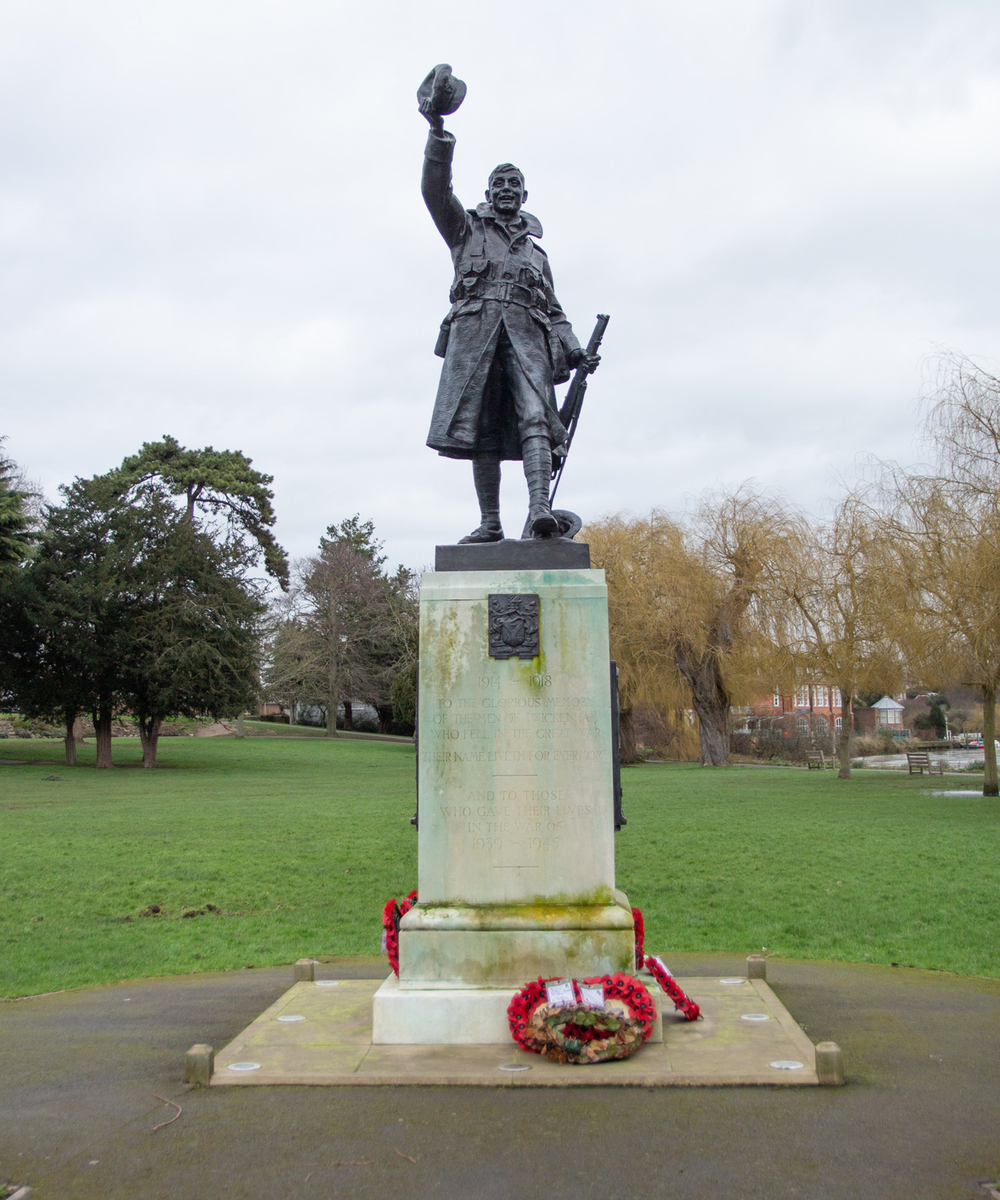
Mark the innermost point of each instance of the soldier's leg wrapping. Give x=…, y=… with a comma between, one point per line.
x=486, y=473
x=536, y=448
x=538, y=472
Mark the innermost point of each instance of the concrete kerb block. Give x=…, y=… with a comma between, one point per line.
x=305, y=970
x=199, y=1063
x=757, y=967
x=829, y=1064
x=22, y=1193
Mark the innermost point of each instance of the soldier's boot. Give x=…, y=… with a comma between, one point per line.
x=486, y=473
x=537, y=454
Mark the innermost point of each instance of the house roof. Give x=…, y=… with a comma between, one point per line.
x=888, y=704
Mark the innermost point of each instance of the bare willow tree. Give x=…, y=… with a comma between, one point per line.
x=962, y=427
x=946, y=585
x=946, y=522
x=695, y=604
x=837, y=629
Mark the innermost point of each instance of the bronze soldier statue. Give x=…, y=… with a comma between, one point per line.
x=505, y=341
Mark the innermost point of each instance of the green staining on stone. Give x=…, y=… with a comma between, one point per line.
x=516, y=843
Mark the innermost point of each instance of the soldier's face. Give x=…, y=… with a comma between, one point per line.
x=506, y=193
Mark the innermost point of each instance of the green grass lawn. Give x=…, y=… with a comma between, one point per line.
x=275, y=729
x=298, y=843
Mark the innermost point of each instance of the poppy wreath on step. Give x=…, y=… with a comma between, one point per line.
x=575, y=1033
x=673, y=989
x=392, y=914
x=640, y=937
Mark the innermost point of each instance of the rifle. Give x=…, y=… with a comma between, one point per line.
x=569, y=414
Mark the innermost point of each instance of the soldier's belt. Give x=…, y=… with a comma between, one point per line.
x=506, y=290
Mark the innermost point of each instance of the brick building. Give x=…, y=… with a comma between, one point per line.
x=810, y=711
x=817, y=711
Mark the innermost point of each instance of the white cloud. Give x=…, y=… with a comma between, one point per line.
x=210, y=225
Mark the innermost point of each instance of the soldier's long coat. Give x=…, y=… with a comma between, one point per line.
x=502, y=281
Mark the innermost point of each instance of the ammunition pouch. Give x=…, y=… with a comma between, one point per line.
x=441, y=345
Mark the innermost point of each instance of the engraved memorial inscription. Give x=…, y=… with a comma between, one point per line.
x=515, y=757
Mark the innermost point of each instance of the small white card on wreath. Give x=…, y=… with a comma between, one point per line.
x=560, y=993
x=592, y=995
x=664, y=967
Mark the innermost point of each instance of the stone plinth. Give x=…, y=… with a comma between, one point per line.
x=463, y=1016
x=514, y=555
x=516, y=836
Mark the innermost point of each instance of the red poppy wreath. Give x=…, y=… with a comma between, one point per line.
x=673, y=989
x=579, y=1032
x=640, y=937
x=392, y=914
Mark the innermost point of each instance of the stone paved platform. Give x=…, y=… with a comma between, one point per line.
x=331, y=1044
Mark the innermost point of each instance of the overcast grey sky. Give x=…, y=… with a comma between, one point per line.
x=211, y=226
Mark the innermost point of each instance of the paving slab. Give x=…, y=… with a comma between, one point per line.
x=319, y=1033
x=918, y=1119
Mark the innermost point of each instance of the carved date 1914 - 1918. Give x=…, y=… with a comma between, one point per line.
x=513, y=626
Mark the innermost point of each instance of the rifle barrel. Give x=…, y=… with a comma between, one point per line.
x=569, y=414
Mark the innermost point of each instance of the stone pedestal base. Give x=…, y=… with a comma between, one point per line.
x=462, y=946
x=458, y=1017
x=466, y=1017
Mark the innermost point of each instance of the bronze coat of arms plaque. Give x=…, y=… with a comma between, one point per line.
x=513, y=625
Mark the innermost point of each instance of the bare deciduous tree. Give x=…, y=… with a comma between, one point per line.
x=837, y=630
x=943, y=582
x=343, y=624
x=944, y=589
x=345, y=629
x=963, y=427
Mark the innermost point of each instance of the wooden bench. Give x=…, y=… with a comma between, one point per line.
x=814, y=758
x=921, y=761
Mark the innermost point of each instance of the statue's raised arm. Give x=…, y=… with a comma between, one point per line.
x=439, y=95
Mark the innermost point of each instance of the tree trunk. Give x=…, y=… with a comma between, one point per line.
x=989, y=741
x=102, y=735
x=149, y=736
x=332, y=672
x=628, y=752
x=69, y=741
x=713, y=730
x=710, y=701
x=384, y=717
x=844, y=741
x=348, y=715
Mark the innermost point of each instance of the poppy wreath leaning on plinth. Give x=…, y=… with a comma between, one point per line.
x=640, y=937
x=673, y=989
x=522, y=1008
x=574, y=1033
x=392, y=914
